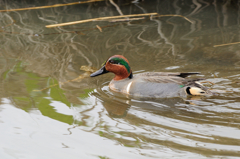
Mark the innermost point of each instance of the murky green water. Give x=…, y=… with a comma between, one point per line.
x=43, y=114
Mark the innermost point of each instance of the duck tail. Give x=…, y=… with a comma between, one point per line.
x=196, y=88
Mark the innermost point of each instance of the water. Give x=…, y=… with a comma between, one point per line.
x=44, y=114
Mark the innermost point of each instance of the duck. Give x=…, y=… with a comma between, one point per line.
x=150, y=84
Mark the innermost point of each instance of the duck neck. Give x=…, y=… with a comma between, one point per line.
x=122, y=75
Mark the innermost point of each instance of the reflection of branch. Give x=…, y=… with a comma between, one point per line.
x=150, y=43
x=225, y=13
x=199, y=5
x=144, y=11
x=51, y=6
x=164, y=37
x=172, y=15
x=36, y=35
x=97, y=19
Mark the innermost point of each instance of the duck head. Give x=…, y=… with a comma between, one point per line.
x=118, y=65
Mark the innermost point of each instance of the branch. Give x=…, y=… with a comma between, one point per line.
x=51, y=6
x=97, y=19
x=226, y=44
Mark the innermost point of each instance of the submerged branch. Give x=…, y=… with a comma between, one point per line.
x=97, y=19
x=88, y=70
x=51, y=6
x=9, y=24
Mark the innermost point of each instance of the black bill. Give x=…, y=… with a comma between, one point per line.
x=99, y=72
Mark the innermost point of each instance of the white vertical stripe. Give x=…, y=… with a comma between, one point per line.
x=128, y=87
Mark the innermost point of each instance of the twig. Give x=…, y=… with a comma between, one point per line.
x=97, y=19
x=80, y=32
x=172, y=15
x=118, y=9
x=226, y=44
x=124, y=20
x=51, y=6
x=99, y=28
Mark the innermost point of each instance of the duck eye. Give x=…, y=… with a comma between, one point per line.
x=114, y=62
x=111, y=61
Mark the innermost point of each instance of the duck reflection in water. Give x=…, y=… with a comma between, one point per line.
x=118, y=105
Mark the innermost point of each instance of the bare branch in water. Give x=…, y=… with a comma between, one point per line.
x=79, y=32
x=226, y=44
x=99, y=28
x=97, y=19
x=51, y=6
x=118, y=9
x=126, y=20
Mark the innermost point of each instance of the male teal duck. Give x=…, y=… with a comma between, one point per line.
x=150, y=84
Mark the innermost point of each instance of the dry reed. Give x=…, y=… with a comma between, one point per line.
x=97, y=19
x=226, y=44
x=51, y=6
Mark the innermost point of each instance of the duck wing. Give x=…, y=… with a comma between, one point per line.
x=168, y=83
x=169, y=77
x=191, y=86
x=179, y=74
x=165, y=79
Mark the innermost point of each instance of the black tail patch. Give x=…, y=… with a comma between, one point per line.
x=188, y=90
x=183, y=75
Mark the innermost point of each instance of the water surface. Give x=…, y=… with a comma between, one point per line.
x=44, y=113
